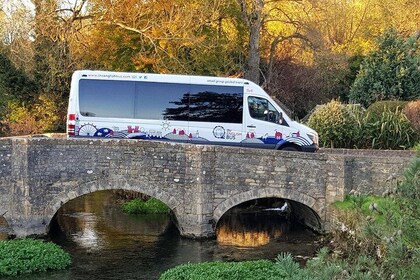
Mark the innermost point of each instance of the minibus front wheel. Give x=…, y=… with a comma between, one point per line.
x=293, y=148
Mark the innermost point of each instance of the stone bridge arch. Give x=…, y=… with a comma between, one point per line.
x=306, y=207
x=38, y=175
x=84, y=188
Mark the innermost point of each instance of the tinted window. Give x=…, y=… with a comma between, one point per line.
x=158, y=101
x=109, y=99
x=216, y=104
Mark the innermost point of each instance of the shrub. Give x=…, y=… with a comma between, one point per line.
x=336, y=125
x=50, y=112
x=412, y=111
x=20, y=120
x=151, y=206
x=27, y=256
x=390, y=72
x=409, y=201
x=348, y=126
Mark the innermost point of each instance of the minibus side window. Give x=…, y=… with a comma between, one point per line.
x=219, y=104
x=106, y=99
x=162, y=101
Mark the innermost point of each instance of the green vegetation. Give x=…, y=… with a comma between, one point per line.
x=27, y=256
x=262, y=269
x=385, y=229
x=345, y=126
x=322, y=267
x=380, y=107
x=150, y=206
x=390, y=72
x=335, y=124
x=388, y=130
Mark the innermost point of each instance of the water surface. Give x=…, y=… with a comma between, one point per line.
x=106, y=243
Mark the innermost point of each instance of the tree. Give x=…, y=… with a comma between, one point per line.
x=390, y=72
x=15, y=87
x=172, y=36
x=15, y=33
x=253, y=17
x=14, y=83
x=53, y=62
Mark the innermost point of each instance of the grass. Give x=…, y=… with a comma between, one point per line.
x=24, y=256
x=150, y=206
x=370, y=206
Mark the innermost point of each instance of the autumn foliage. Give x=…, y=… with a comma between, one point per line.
x=304, y=53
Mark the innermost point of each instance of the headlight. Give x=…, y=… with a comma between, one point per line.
x=313, y=137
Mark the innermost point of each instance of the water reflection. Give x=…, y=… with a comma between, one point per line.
x=106, y=243
x=251, y=229
x=94, y=222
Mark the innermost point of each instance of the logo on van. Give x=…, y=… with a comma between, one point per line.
x=219, y=132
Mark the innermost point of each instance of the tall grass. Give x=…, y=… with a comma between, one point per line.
x=390, y=130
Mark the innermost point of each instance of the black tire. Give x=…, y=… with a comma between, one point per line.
x=290, y=148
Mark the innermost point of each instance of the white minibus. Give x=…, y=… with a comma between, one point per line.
x=193, y=109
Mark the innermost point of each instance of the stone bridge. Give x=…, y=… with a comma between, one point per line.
x=199, y=183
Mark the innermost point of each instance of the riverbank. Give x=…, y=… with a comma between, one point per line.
x=373, y=238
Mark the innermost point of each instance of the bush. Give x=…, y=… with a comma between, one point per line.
x=50, y=112
x=336, y=125
x=27, y=256
x=409, y=201
x=151, y=206
x=349, y=126
x=20, y=120
x=412, y=112
x=390, y=72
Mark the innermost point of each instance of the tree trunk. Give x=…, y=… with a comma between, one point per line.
x=252, y=71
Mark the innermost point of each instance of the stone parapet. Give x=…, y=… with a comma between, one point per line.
x=198, y=182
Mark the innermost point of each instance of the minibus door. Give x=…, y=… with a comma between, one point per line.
x=262, y=127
